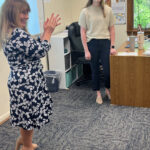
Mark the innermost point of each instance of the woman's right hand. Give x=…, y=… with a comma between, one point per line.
x=87, y=55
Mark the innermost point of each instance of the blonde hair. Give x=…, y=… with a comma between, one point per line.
x=102, y=3
x=9, y=17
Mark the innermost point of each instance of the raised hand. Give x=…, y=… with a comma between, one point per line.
x=49, y=26
x=51, y=23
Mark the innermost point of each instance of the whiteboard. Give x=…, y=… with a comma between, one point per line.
x=36, y=16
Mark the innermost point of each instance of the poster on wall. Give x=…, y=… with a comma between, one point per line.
x=119, y=11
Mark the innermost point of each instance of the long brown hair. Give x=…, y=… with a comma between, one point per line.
x=9, y=16
x=90, y=2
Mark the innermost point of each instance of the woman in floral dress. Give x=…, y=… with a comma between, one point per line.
x=30, y=101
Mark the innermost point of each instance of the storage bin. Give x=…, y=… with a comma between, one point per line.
x=52, y=80
x=68, y=78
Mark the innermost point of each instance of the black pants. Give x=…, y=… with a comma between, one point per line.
x=100, y=51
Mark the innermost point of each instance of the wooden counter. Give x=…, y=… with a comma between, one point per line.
x=130, y=79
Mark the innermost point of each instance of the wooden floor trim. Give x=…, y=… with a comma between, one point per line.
x=4, y=120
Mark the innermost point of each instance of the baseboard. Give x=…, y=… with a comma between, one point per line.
x=4, y=117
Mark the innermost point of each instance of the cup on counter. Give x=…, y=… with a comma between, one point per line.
x=140, y=36
x=132, y=42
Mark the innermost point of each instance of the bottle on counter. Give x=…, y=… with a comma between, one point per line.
x=140, y=37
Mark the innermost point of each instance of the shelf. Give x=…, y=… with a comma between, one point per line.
x=67, y=69
x=73, y=74
x=66, y=45
x=61, y=51
x=67, y=61
x=66, y=53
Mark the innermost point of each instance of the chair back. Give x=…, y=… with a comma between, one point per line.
x=75, y=37
x=77, y=50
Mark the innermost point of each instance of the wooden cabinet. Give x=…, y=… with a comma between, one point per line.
x=130, y=79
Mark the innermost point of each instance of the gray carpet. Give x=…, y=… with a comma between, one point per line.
x=78, y=123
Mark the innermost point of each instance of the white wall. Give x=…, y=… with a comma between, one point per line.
x=121, y=35
x=120, y=30
x=61, y=7
x=4, y=95
x=69, y=11
x=77, y=6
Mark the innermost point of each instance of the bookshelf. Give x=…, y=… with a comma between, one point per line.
x=60, y=60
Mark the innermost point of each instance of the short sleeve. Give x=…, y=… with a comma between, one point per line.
x=112, y=18
x=28, y=45
x=82, y=19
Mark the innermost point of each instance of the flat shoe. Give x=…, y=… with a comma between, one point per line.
x=99, y=100
x=19, y=145
x=35, y=146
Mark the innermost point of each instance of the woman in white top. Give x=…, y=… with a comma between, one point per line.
x=98, y=37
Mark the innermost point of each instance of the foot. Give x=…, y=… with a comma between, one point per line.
x=27, y=148
x=99, y=100
x=108, y=93
x=34, y=147
x=19, y=144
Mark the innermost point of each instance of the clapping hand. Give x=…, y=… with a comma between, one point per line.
x=51, y=23
x=49, y=26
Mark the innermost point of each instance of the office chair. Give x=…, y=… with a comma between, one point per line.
x=77, y=52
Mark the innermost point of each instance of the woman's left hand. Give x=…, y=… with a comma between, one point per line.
x=49, y=26
x=113, y=51
x=51, y=23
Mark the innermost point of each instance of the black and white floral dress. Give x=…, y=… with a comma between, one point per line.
x=30, y=101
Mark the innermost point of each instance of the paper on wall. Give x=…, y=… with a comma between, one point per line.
x=127, y=54
x=119, y=11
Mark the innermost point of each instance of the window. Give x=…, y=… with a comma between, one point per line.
x=138, y=12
